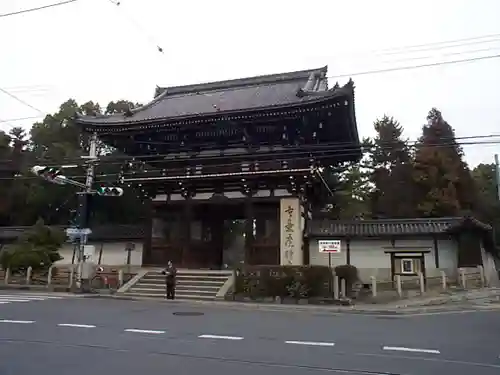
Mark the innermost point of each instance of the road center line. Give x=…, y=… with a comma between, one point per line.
x=311, y=343
x=413, y=350
x=76, y=325
x=17, y=321
x=220, y=337
x=144, y=331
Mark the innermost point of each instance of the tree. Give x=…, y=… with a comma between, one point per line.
x=391, y=171
x=352, y=194
x=488, y=205
x=444, y=185
x=37, y=248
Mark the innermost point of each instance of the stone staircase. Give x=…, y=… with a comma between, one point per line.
x=191, y=284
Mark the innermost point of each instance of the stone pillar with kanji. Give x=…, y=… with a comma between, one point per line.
x=291, y=227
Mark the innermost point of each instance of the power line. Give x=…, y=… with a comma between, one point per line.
x=37, y=8
x=21, y=101
x=341, y=150
x=138, y=26
x=20, y=119
x=410, y=67
x=338, y=146
x=441, y=44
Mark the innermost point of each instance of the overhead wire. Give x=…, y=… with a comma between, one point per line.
x=15, y=97
x=433, y=46
x=301, y=155
x=318, y=148
x=43, y=7
x=21, y=118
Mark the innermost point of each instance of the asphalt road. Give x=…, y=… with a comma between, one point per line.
x=86, y=336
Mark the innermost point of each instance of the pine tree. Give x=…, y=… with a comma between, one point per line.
x=444, y=183
x=391, y=171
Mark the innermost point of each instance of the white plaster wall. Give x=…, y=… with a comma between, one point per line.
x=369, y=257
x=113, y=253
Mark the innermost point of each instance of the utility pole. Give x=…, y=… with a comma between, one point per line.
x=85, y=203
x=497, y=176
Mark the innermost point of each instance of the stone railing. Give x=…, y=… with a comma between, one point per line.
x=65, y=278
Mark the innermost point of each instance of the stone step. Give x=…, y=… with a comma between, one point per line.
x=194, y=277
x=180, y=288
x=191, y=284
x=201, y=283
x=177, y=296
x=195, y=272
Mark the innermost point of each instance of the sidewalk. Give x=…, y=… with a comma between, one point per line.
x=459, y=301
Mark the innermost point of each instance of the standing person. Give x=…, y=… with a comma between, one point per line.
x=170, y=273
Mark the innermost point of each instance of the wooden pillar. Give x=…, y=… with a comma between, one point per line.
x=148, y=233
x=249, y=238
x=307, y=240
x=186, y=229
x=217, y=242
x=348, y=251
x=436, y=252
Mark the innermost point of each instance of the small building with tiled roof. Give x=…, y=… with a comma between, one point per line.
x=383, y=248
x=111, y=244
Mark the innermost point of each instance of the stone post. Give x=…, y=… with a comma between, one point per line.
x=121, y=275
x=49, y=276
x=374, y=286
x=7, y=276
x=343, y=288
x=443, y=280
x=29, y=271
x=421, y=281
x=462, y=278
x=399, y=288
x=71, y=277
x=336, y=287
x=481, y=276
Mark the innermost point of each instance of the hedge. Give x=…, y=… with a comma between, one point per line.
x=256, y=282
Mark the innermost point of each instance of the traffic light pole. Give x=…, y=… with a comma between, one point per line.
x=85, y=203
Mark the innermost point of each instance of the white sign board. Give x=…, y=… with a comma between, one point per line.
x=330, y=246
x=89, y=250
x=78, y=231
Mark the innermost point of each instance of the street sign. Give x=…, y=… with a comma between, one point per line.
x=74, y=232
x=89, y=251
x=330, y=246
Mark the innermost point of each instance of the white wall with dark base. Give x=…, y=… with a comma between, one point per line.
x=371, y=259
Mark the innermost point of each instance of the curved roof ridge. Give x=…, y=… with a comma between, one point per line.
x=247, y=81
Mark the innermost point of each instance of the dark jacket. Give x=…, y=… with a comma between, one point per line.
x=170, y=274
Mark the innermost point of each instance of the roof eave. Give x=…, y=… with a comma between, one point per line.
x=90, y=121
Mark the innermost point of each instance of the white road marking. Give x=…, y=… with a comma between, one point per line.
x=17, y=321
x=144, y=331
x=311, y=343
x=220, y=337
x=30, y=296
x=413, y=350
x=15, y=300
x=76, y=325
x=4, y=302
x=22, y=298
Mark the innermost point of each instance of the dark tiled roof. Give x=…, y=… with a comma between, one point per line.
x=231, y=96
x=100, y=233
x=392, y=227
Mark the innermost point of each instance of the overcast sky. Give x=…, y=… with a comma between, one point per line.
x=94, y=50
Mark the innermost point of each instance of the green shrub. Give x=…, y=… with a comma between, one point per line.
x=282, y=281
x=37, y=248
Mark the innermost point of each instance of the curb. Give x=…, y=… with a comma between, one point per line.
x=297, y=308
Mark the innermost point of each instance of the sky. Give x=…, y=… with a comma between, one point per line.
x=96, y=50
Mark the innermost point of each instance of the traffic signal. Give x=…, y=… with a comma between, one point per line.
x=110, y=191
x=52, y=174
